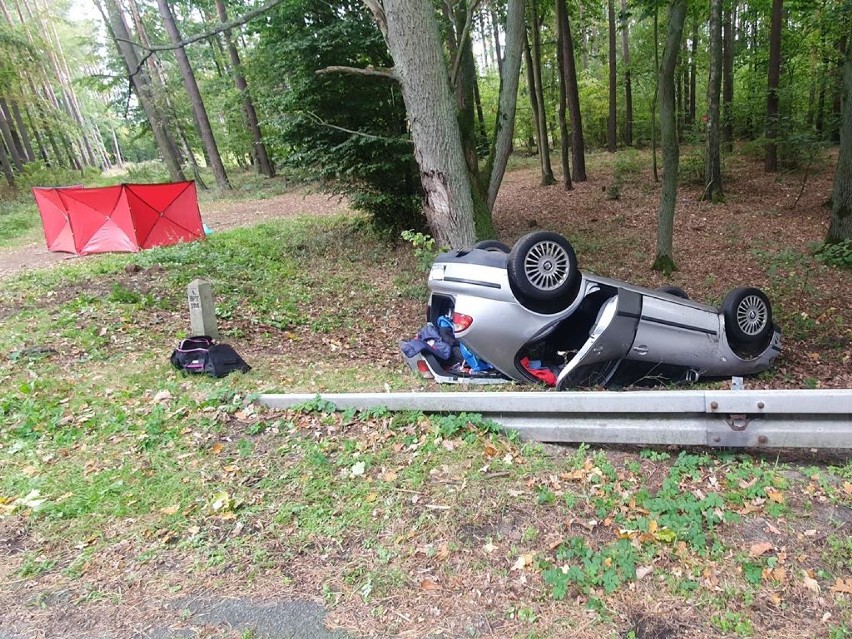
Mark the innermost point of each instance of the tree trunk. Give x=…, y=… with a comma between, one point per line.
x=480, y=116
x=505, y=123
x=563, y=88
x=142, y=85
x=770, y=163
x=8, y=138
x=264, y=165
x=612, y=124
x=837, y=104
x=713, y=161
x=543, y=142
x=628, y=85
x=195, y=101
x=656, y=93
x=664, y=260
x=728, y=28
x=495, y=30
x=572, y=94
x=22, y=131
x=528, y=63
x=840, y=227
x=411, y=31
x=693, y=59
x=6, y=167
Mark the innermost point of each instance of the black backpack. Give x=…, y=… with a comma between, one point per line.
x=200, y=354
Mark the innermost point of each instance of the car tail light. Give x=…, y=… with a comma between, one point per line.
x=461, y=322
x=423, y=367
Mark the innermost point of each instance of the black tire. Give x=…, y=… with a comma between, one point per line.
x=492, y=245
x=543, y=267
x=677, y=291
x=748, y=315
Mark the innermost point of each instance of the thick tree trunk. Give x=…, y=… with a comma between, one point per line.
x=528, y=63
x=770, y=163
x=195, y=101
x=612, y=123
x=142, y=85
x=664, y=260
x=837, y=103
x=840, y=228
x=412, y=35
x=543, y=141
x=572, y=94
x=728, y=29
x=713, y=161
x=264, y=165
x=628, y=85
x=563, y=88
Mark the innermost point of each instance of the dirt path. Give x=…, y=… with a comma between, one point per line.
x=218, y=215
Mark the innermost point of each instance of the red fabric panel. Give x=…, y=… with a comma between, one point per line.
x=165, y=214
x=54, y=221
x=110, y=237
x=89, y=209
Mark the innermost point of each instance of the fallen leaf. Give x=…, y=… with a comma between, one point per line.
x=489, y=548
x=170, y=510
x=775, y=495
x=490, y=450
x=428, y=584
x=810, y=583
x=443, y=552
x=759, y=548
x=357, y=469
x=162, y=396
x=389, y=476
x=523, y=561
x=643, y=571
x=216, y=448
x=847, y=487
x=842, y=585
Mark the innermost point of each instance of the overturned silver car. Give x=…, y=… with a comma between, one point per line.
x=529, y=314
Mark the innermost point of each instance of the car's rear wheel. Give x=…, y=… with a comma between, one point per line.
x=677, y=291
x=492, y=245
x=543, y=267
x=748, y=315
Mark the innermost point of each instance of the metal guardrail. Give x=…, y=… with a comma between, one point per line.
x=731, y=418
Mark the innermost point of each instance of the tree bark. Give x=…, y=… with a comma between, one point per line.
x=505, y=124
x=628, y=85
x=770, y=163
x=656, y=93
x=840, y=227
x=142, y=85
x=411, y=31
x=572, y=94
x=837, y=103
x=541, y=116
x=713, y=162
x=263, y=163
x=22, y=131
x=612, y=124
x=563, y=88
x=693, y=60
x=197, y=104
x=8, y=138
x=664, y=260
x=728, y=29
x=495, y=30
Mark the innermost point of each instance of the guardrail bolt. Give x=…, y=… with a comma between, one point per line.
x=760, y=404
x=714, y=405
x=762, y=439
x=717, y=439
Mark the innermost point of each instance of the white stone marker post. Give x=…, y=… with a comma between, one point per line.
x=202, y=309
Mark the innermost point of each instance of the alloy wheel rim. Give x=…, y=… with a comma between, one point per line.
x=547, y=265
x=752, y=315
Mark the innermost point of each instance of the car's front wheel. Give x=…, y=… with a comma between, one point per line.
x=543, y=267
x=748, y=315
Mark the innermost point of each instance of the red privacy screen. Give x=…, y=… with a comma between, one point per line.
x=125, y=217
